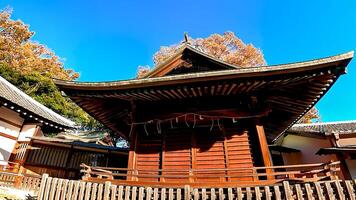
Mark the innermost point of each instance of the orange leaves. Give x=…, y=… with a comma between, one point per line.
x=226, y=47
x=24, y=55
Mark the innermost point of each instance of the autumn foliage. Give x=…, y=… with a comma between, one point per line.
x=24, y=55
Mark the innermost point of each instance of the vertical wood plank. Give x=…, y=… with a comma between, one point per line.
x=350, y=190
x=81, y=190
x=64, y=189
x=221, y=194
x=163, y=193
x=230, y=195
x=70, y=189
x=203, y=194
x=120, y=193
x=76, y=190
x=309, y=191
x=258, y=193
x=268, y=193
x=277, y=192
x=148, y=193
x=155, y=194
x=140, y=193
x=100, y=192
x=93, y=191
x=339, y=189
x=264, y=149
x=212, y=194
x=42, y=186
x=248, y=193
x=53, y=188
x=107, y=190
x=239, y=193
x=179, y=194
x=319, y=191
x=59, y=189
x=87, y=191
x=299, y=191
x=48, y=188
x=113, y=192
x=134, y=193
x=127, y=192
x=195, y=194
x=329, y=190
x=170, y=194
x=287, y=190
x=186, y=192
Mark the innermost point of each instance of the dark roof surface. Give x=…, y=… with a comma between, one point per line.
x=325, y=128
x=12, y=94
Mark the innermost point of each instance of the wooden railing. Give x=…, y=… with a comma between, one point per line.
x=55, y=188
x=243, y=176
x=21, y=181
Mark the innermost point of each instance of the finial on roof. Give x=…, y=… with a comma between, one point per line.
x=186, y=37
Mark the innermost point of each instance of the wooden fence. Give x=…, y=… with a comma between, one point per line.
x=23, y=181
x=54, y=188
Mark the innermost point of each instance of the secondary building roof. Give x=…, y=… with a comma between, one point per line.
x=325, y=128
x=17, y=100
x=289, y=90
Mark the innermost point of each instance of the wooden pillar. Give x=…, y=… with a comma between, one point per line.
x=131, y=165
x=267, y=160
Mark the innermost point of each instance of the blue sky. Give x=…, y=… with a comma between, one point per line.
x=108, y=39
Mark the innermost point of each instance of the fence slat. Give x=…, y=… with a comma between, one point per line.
x=212, y=194
x=120, y=193
x=240, y=195
x=196, y=194
x=340, y=191
x=127, y=193
x=319, y=191
x=48, y=188
x=230, y=195
x=350, y=190
x=140, y=193
x=299, y=192
x=203, y=194
x=134, y=193
x=100, y=192
x=81, y=190
x=148, y=193
x=277, y=192
x=113, y=192
x=248, y=193
x=268, y=193
x=87, y=191
x=64, y=189
x=70, y=189
x=170, y=194
x=258, y=193
x=179, y=194
x=76, y=190
x=329, y=190
x=107, y=190
x=186, y=192
x=42, y=186
x=93, y=191
x=59, y=189
x=309, y=191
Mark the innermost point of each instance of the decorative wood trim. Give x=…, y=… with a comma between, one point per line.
x=8, y=136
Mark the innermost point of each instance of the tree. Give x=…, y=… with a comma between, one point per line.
x=226, y=47
x=31, y=66
x=24, y=55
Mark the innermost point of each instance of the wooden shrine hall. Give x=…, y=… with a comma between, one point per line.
x=197, y=120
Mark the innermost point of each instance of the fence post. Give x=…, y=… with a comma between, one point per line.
x=18, y=181
x=42, y=186
x=107, y=188
x=186, y=192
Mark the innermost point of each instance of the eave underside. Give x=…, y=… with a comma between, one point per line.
x=288, y=96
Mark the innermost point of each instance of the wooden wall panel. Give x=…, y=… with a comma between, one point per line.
x=210, y=155
x=148, y=152
x=239, y=154
x=177, y=155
